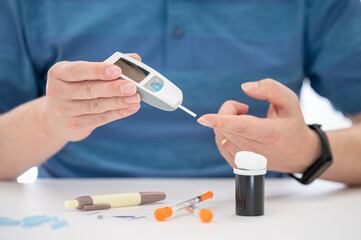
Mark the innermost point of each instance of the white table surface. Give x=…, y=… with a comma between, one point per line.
x=323, y=210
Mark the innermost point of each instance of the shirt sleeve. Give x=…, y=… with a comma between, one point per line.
x=333, y=52
x=18, y=79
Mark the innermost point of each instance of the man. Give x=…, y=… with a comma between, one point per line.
x=208, y=49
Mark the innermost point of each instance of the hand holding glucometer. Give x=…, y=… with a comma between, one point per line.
x=154, y=88
x=81, y=96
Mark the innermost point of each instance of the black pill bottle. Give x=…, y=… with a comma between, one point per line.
x=250, y=174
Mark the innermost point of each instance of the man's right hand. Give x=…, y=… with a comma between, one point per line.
x=82, y=96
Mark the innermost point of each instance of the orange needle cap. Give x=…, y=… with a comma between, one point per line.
x=206, y=215
x=207, y=195
x=162, y=213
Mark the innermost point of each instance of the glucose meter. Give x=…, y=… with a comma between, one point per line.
x=154, y=88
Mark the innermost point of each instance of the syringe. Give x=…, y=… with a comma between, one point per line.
x=162, y=213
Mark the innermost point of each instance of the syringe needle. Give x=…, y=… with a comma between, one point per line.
x=187, y=111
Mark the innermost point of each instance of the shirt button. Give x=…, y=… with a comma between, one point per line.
x=178, y=32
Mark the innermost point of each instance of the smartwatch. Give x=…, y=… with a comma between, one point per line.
x=321, y=164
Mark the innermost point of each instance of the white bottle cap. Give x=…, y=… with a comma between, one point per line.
x=250, y=163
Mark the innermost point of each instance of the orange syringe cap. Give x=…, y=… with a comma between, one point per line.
x=162, y=213
x=206, y=215
x=207, y=195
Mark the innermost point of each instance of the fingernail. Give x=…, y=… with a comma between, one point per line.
x=205, y=122
x=249, y=86
x=133, y=108
x=128, y=88
x=113, y=71
x=132, y=99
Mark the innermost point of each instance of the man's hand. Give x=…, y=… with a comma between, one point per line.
x=82, y=96
x=283, y=137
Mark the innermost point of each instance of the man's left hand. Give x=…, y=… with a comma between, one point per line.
x=283, y=137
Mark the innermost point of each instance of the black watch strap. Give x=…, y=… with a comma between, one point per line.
x=321, y=164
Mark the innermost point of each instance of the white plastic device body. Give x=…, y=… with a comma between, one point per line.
x=153, y=87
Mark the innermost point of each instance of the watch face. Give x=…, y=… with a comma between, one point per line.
x=132, y=70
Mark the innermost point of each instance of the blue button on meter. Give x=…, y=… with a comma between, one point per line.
x=157, y=86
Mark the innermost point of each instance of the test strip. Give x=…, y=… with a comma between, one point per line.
x=187, y=111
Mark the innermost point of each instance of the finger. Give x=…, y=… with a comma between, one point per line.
x=225, y=154
x=95, y=89
x=233, y=108
x=243, y=125
x=81, y=70
x=274, y=92
x=234, y=144
x=221, y=137
x=240, y=141
x=97, y=105
x=100, y=119
x=135, y=56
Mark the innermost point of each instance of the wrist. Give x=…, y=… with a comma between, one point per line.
x=46, y=126
x=313, y=150
x=317, y=168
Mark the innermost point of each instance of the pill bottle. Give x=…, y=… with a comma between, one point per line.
x=250, y=174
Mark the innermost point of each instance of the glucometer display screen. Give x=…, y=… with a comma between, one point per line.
x=131, y=70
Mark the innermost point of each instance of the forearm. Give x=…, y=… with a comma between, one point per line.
x=25, y=141
x=346, y=150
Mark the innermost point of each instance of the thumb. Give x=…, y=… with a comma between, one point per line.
x=283, y=98
x=135, y=56
x=233, y=108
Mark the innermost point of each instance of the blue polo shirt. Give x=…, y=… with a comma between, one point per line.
x=207, y=48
